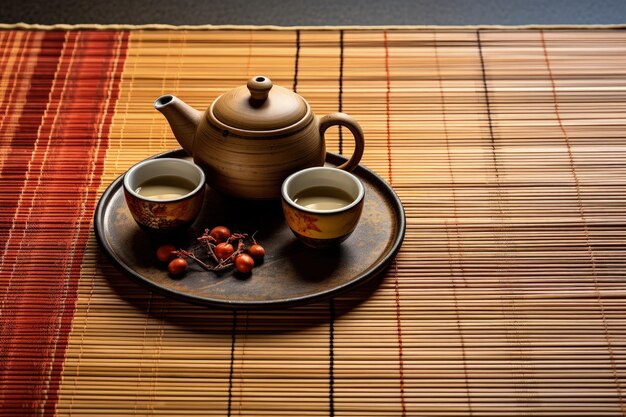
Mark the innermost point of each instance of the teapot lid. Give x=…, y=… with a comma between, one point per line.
x=259, y=105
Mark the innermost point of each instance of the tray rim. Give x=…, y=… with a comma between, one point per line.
x=357, y=280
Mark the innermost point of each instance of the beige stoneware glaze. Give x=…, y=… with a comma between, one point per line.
x=253, y=137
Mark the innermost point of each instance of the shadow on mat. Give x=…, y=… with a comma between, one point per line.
x=211, y=320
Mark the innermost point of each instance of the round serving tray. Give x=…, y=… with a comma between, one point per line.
x=291, y=273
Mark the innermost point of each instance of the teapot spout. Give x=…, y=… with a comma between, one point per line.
x=183, y=119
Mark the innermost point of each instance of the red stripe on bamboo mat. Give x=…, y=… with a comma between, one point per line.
x=19, y=144
x=58, y=148
x=395, y=261
x=10, y=69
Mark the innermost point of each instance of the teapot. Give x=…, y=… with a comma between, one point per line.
x=253, y=137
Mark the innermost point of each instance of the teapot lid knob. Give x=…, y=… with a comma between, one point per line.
x=259, y=87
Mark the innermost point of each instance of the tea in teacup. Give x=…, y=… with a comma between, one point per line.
x=322, y=205
x=165, y=187
x=164, y=195
x=323, y=198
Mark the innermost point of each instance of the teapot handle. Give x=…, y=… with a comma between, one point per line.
x=345, y=120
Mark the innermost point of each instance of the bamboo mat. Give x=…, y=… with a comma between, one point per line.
x=508, y=297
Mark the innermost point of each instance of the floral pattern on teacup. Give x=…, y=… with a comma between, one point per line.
x=302, y=222
x=164, y=216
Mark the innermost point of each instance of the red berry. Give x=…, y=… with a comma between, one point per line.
x=178, y=266
x=166, y=253
x=220, y=233
x=223, y=250
x=244, y=263
x=256, y=251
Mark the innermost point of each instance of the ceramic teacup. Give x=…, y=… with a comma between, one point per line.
x=164, y=195
x=322, y=205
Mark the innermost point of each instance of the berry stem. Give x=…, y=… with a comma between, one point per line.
x=203, y=265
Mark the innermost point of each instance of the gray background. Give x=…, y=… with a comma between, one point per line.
x=316, y=12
